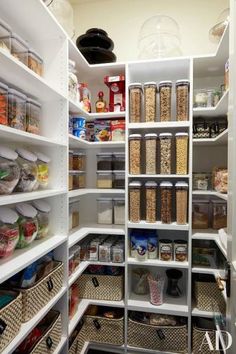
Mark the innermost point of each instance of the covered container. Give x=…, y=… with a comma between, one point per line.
x=28, y=224
x=135, y=102
x=19, y=48
x=33, y=116
x=35, y=62
x=3, y=103
x=9, y=231
x=42, y=169
x=9, y=170
x=17, y=109
x=29, y=173
x=135, y=201
x=166, y=202
x=5, y=36
x=181, y=202
x=104, y=209
x=43, y=209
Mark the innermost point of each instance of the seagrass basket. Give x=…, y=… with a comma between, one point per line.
x=208, y=297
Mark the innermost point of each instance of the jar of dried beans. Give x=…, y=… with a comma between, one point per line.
x=165, y=88
x=182, y=100
x=181, y=202
x=3, y=104
x=151, y=201
x=166, y=202
x=150, y=99
x=135, y=201
x=135, y=102
x=181, y=153
x=165, y=147
x=151, y=153
x=135, y=154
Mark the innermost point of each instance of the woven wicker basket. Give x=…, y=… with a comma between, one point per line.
x=208, y=297
x=78, y=343
x=161, y=338
x=10, y=320
x=198, y=338
x=101, y=287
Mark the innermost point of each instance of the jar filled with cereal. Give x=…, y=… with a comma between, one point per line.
x=135, y=201
x=151, y=153
x=181, y=153
x=165, y=89
x=166, y=202
x=151, y=201
x=165, y=151
x=150, y=101
x=182, y=100
x=181, y=202
x=135, y=154
x=135, y=102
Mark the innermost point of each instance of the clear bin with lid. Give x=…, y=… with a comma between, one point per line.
x=28, y=224
x=165, y=152
x=79, y=179
x=33, y=116
x=9, y=170
x=74, y=214
x=29, y=173
x=104, y=179
x=151, y=201
x=19, y=48
x=165, y=89
x=16, y=109
x=135, y=201
x=119, y=161
x=104, y=161
x=200, y=214
x=135, y=154
x=135, y=102
x=150, y=101
x=105, y=210
x=43, y=216
x=166, y=202
x=71, y=159
x=119, y=211
x=151, y=153
x=3, y=103
x=181, y=153
x=5, y=36
x=35, y=62
x=181, y=202
x=119, y=179
x=219, y=214
x=79, y=161
x=43, y=170
x=9, y=231
x=182, y=100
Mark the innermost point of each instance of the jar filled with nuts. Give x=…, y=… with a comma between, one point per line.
x=165, y=88
x=135, y=201
x=135, y=102
x=165, y=147
x=135, y=154
x=150, y=101
x=181, y=202
x=181, y=153
x=166, y=202
x=182, y=100
x=151, y=153
x=151, y=201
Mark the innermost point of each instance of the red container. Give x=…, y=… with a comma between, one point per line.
x=116, y=85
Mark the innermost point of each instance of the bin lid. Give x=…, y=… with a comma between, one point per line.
x=27, y=155
x=8, y=215
x=27, y=210
x=7, y=153
x=41, y=205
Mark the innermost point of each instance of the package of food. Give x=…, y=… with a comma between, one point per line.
x=89, y=131
x=73, y=299
x=105, y=253
x=102, y=130
x=220, y=179
x=117, y=130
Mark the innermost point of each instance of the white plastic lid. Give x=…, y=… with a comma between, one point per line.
x=42, y=157
x=166, y=184
x=8, y=215
x=19, y=39
x=73, y=172
x=135, y=136
x=150, y=83
x=27, y=155
x=182, y=81
x=71, y=151
x=104, y=172
x=163, y=135
x=218, y=201
x=119, y=172
x=119, y=154
x=36, y=103
x=119, y=199
x=108, y=154
x=167, y=82
x=104, y=199
x=181, y=184
x=7, y=153
x=136, y=84
x=79, y=153
x=41, y=205
x=150, y=135
x=17, y=93
x=32, y=51
x=135, y=184
x=181, y=134
x=26, y=210
x=201, y=200
x=150, y=184
x=3, y=86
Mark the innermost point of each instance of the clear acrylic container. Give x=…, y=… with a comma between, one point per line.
x=151, y=153
x=135, y=201
x=200, y=214
x=135, y=102
x=219, y=214
x=182, y=100
x=104, y=161
x=5, y=36
x=150, y=101
x=71, y=175
x=135, y=154
x=28, y=224
x=3, y=103
x=119, y=179
x=16, y=109
x=19, y=48
x=29, y=173
x=79, y=179
x=33, y=116
x=71, y=159
x=35, y=62
x=181, y=202
x=105, y=210
x=165, y=89
x=119, y=161
x=9, y=169
x=104, y=179
x=165, y=147
x=9, y=231
x=151, y=201
x=43, y=216
x=74, y=214
x=79, y=161
x=181, y=153
x=119, y=211
x=166, y=202
x=43, y=169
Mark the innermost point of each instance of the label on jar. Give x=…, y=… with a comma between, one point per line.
x=180, y=253
x=166, y=252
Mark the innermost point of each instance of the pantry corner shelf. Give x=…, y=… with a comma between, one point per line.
x=200, y=313
x=159, y=125
x=158, y=263
x=221, y=139
x=78, y=143
x=209, y=235
x=158, y=176
x=220, y=109
x=158, y=226
x=84, y=191
x=211, y=194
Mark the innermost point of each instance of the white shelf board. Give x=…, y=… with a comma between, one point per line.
x=144, y=350
x=84, y=191
x=27, y=327
x=78, y=143
x=158, y=226
x=60, y=345
x=158, y=263
x=220, y=109
x=221, y=139
x=209, y=235
x=200, y=313
x=211, y=194
x=159, y=125
x=159, y=176
x=205, y=270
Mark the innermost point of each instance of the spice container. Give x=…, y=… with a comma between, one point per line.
x=19, y=48
x=3, y=103
x=42, y=169
x=182, y=100
x=135, y=154
x=181, y=153
x=29, y=173
x=16, y=109
x=104, y=179
x=119, y=211
x=135, y=102
x=200, y=214
x=165, y=250
x=165, y=88
x=43, y=209
x=180, y=251
x=135, y=201
x=119, y=161
x=28, y=224
x=79, y=161
x=70, y=159
x=151, y=201
x=151, y=153
x=35, y=62
x=181, y=202
x=119, y=179
x=165, y=147
x=150, y=97
x=219, y=214
x=104, y=161
x=166, y=202
x=5, y=36
x=9, y=170
x=105, y=212
x=33, y=116
x=9, y=231
x=79, y=179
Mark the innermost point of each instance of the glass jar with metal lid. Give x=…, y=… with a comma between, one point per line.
x=165, y=89
x=182, y=100
x=150, y=101
x=151, y=153
x=135, y=154
x=151, y=201
x=165, y=250
x=135, y=102
x=9, y=170
x=165, y=152
x=135, y=201
x=166, y=202
x=181, y=202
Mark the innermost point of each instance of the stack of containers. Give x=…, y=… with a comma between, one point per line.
x=77, y=170
x=111, y=170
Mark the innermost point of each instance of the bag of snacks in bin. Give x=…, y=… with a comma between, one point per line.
x=28, y=224
x=9, y=231
x=117, y=130
x=43, y=209
x=9, y=170
x=101, y=130
x=220, y=179
x=28, y=175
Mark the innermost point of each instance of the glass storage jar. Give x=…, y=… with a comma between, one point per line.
x=5, y=36
x=28, y=224
x=70, y=159
x=166, y=202
x=151, y=153
x=135, y=102
x=104, y=179
x=33, y=116
x=119, y=161
x=3, y=103
x=104, y=161
x=79, y=179
x=105, y=210
x=9, y=170
x=79, y=161
x=219, y=214
x=182, y=100
x=135, y=154
x=200, y=214
x=181, y=202
x=150, y=101
x=9, y=231
x=29, y=173
x=35, y=62
x=16, y=109
x=165, y=152
x=119, y=211
x=165, y=89
x=165, y=250
x=135, y=201
x=19, y=48
x=151, y=201
x=42, y=169
x=181, y=153
x=43, y=215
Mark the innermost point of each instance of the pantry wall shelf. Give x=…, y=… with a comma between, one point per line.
x=84, y=191
x=158, y=263
x=158, y=226
x=78, y=143
x=221, y=139
x=211, y=193
x=220, y=109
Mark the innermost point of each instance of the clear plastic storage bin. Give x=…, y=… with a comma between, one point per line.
x=119, y=161
x=104, y=210
x=166, y=202
x=119, y=179
x=19, y=48
x=200, y=214
x=151, y=153
x=16, y=109
x=104, y=161
x=70, y=159
x=135, y=201
x=79, y=161
x=119, y=211
x=9, y=231
x=9, y=170
x=165, y=89
x=135, y=102
x=43, y=209
x=28, y=224
x=29, y=173
x=150, y=101
x=219, y=214
x=135, y=154
x=43, y=162
x=35, y=62
x=182, y=100
x=74, y=214
x=3, y=103
x=181, y=153
x=165, y=152
x=151, y=201
x=181, y=202
x=33, y=116
x=5, y=36
x=104, y=179
x=79, y=179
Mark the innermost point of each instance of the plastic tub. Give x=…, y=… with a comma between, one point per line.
x=104, y=179
x=119, y=211
x=166, y=202
x=150, y=101
x=28, y=224
x=79, y=122
x=200, y=214
x=119, y=161
x=42, y=169
x=104, y=161
x=16, y=109
x=5, y=36
x=135, y=102
x=80, y=133
x=165, y=89
x=33, y=116
x=151, y=153
x=74, y=214
x=165, y=147
x=104, y=208
x=35, y=62
x=135, y=154
x=182, y=100
x=79, y=179
x=9, y=231
x=79, y=161
x=71, y=153
x=29, y=173
x=3, y=103
x=10, y=170
x=135, y=201
x=181, y=153
x=43, y=209
x=151, y=201
x=219, y=214
x=119, y=179
x=181, y=202
x=19, y=48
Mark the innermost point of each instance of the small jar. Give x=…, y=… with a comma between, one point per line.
x=105, y=210
x=219, y=214
x=33, y=116
x=28, y=224
x=165, y=151
x=181, y=202
x=17, y=109
x=200, y=214
x=180, y=251
x=151, y=153
x=119, y=179
x=119, y=161
x=135, y=102
x=79, y=161
x=3, y=102
x=182, y=100
x=29, y=172
x=9, y=170
x=79, y=179
x=35, y=62
x=151, y=201
x=43, y=209
x=165, y=89
x=104, y=161
x=166, y=202
x=9, y=231
x=135, y=154
x=119, y=211
x=104, y=179
x=181, y=153
x=135, y=201
x=150, y=101
x=5, y=36
x=165, y=250
x=43, y=169
x=70, y=159
x=19, y=48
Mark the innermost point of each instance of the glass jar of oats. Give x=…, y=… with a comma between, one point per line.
x=151, y=201
x=150, y=101
x=181, y=202
x=151, y=153
x=135, y=102
x=135, y=201
x=166, y=202
x=165, y=88
x=135, y=154
x=181, y=153
x=165, y=147
x=182, y=100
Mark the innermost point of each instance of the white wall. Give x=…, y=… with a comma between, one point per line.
x=122, y=19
